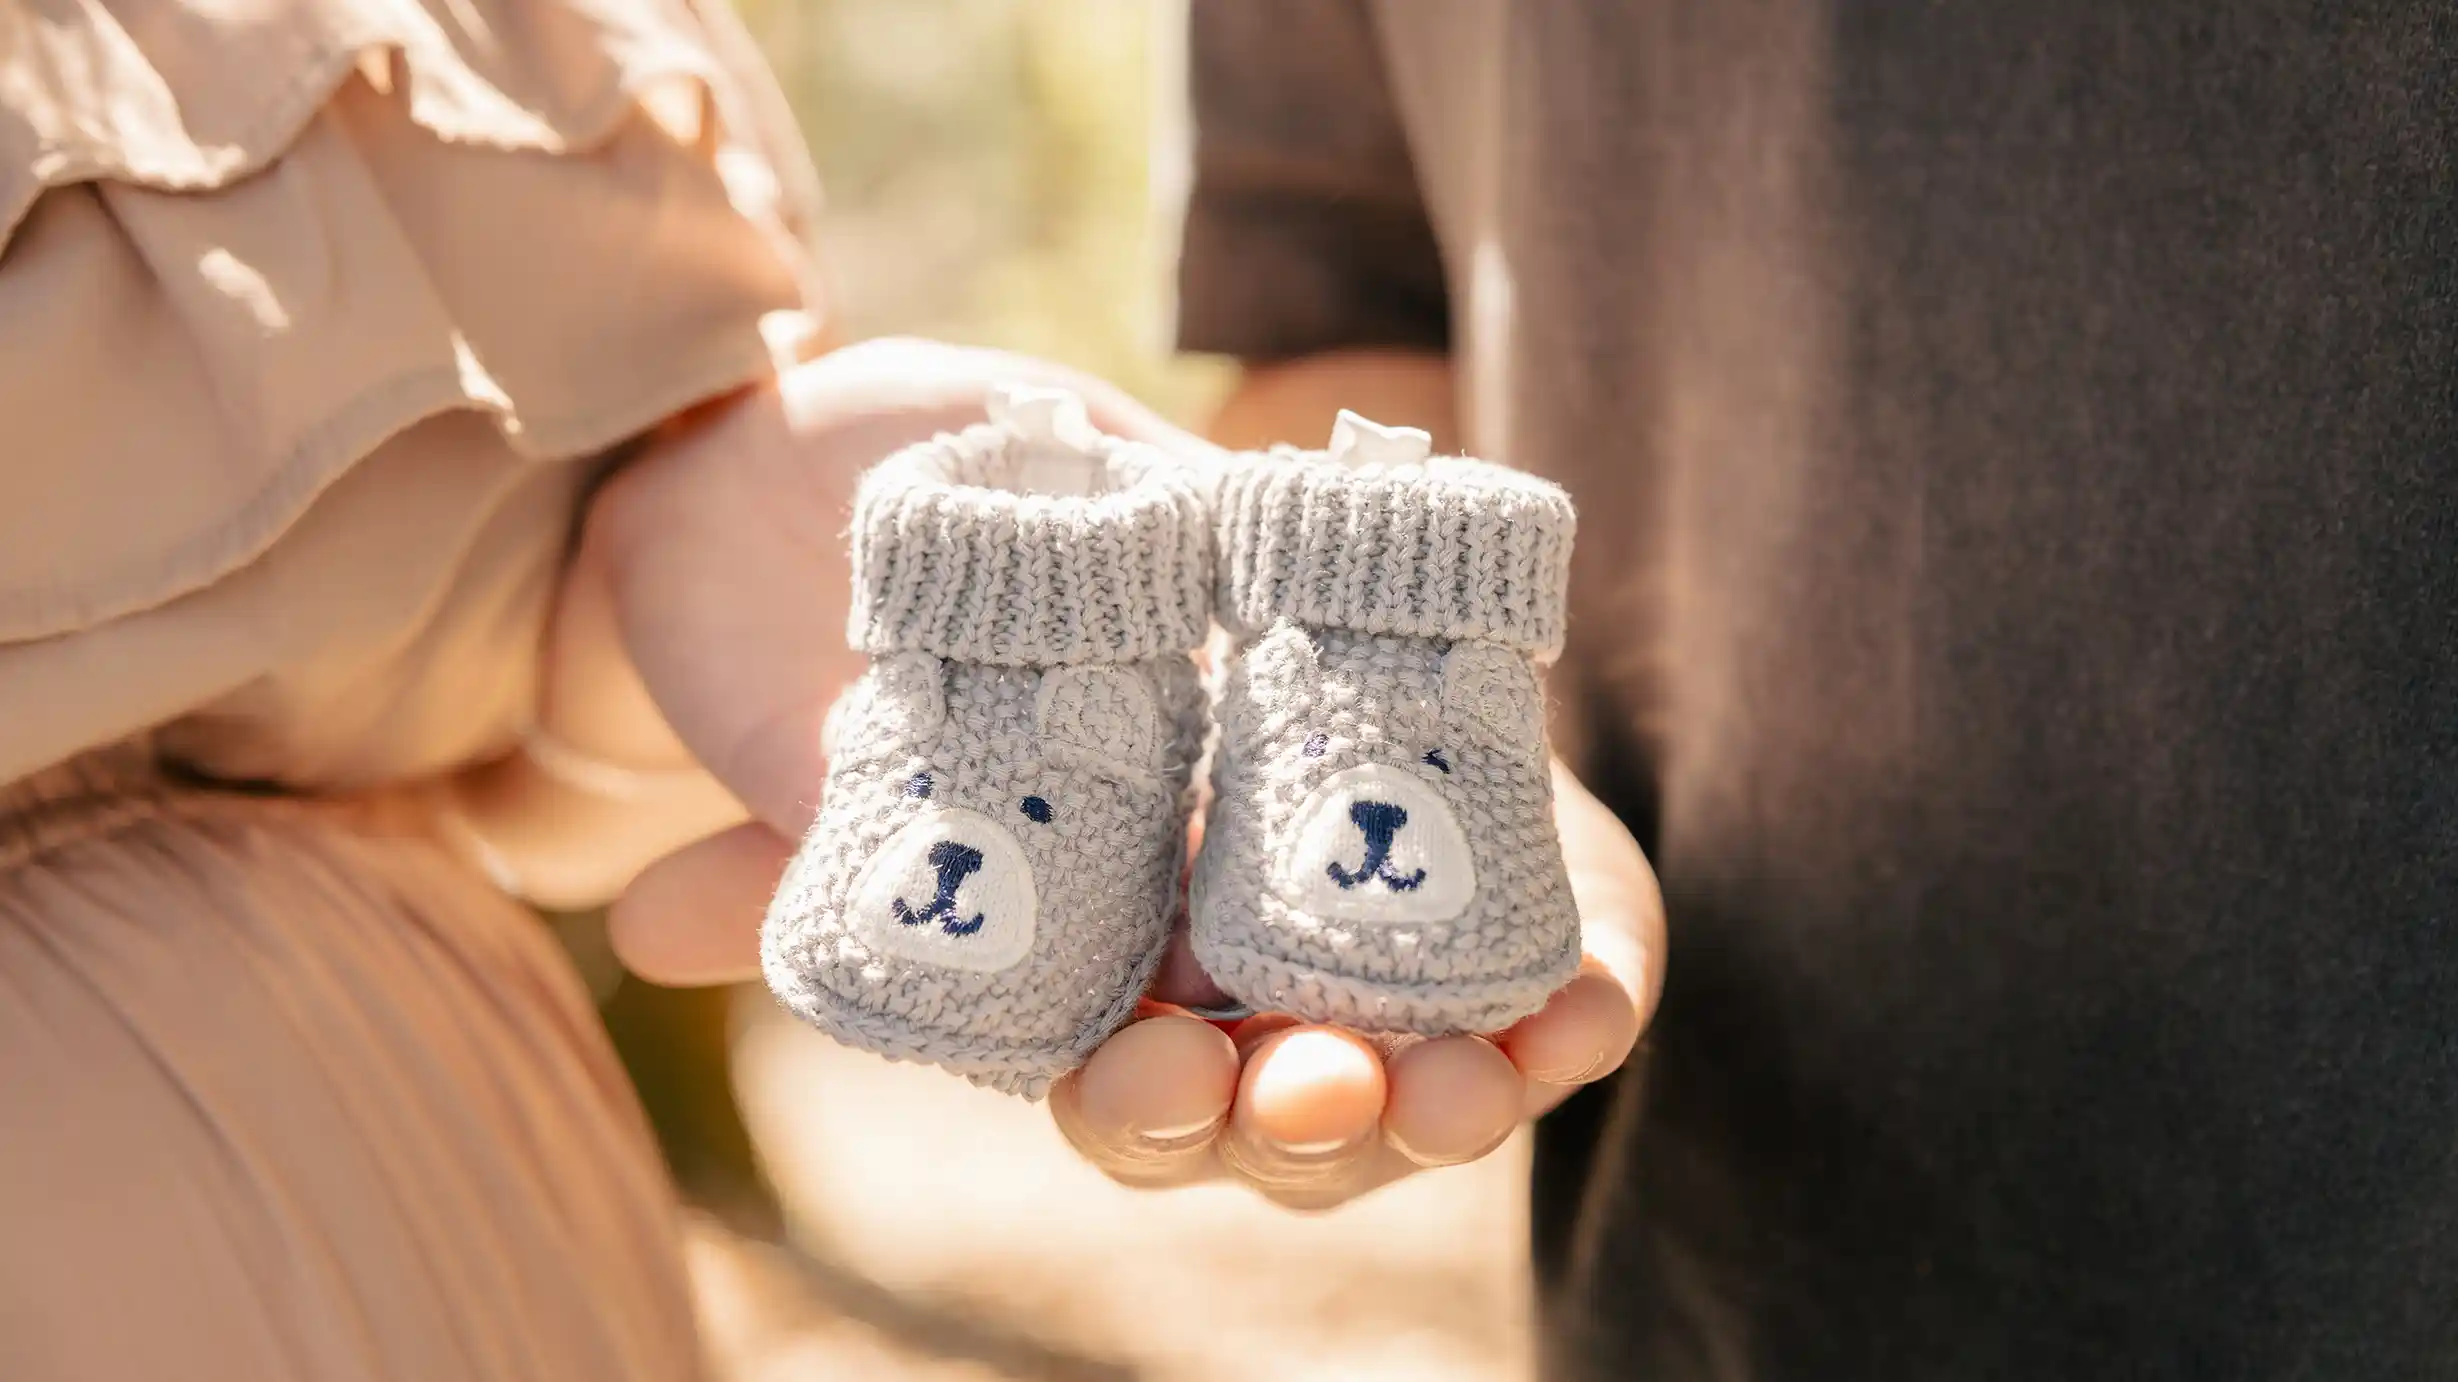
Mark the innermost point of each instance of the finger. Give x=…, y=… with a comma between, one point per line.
x=1181, y=978
x=1621, y=911
x=1305, y=1129
x=693, y=917
x=1583, y=1034
x=910, y=376
x=1147, y=1106
x=1452, y=1100
x=1249, y=1032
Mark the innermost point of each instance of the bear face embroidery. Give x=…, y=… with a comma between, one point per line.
x=1379, y=761
x=992, y=798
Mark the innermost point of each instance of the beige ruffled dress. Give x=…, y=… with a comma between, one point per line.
x=317, y=317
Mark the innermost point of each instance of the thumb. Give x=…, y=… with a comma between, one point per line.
x=693, y=917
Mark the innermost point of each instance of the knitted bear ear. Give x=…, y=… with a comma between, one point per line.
x=902, y=696
x=1284, y=662
x=1489, y=693
x=1099, y=716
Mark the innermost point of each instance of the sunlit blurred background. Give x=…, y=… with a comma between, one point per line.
x=999, y=172
x=1005, y=172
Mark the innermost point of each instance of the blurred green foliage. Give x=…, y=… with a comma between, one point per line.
x=998, y=172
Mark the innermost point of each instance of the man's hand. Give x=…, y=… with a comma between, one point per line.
x=1311, y=1116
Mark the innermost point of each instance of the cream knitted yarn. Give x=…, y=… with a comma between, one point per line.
x=990, y=880
x=1380, y=850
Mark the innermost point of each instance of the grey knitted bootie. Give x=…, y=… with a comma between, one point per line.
x=1381, y=850
x=993, y=871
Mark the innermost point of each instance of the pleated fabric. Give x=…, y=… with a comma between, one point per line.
x=285, y=1093
x=317, y=320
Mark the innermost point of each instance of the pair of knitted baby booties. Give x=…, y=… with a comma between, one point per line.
x=994, y=870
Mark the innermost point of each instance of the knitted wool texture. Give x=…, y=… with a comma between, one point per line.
x=990, y=880
x=1380, y=850
x=950, y=560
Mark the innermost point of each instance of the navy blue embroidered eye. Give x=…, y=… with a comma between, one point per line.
x=1434, y=756
x=918, y=785
x=1036, y=808
x=1317, y=743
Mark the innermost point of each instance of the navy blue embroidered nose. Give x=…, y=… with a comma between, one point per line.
x=1378, y=821
x=955, y=863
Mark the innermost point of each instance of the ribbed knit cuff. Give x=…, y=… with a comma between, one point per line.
x=949, y=559
x=1452, y=548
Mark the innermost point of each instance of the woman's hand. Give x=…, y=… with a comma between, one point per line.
x=730, y=587
x=726, y=544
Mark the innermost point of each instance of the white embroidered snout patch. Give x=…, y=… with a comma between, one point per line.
x=951, y=888
x=1376, y=843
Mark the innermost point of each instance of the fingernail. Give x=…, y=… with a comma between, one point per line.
x=1284, y=1165
x=1179, y=1136
x=1249, y=1034
x=1309, y=1151
x=1430, y=1160
x=1585, y=1073
x=1231, y=1011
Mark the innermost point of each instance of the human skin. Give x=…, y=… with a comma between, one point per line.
x=702, y=624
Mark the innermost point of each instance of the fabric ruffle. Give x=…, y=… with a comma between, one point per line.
x=241, y=245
